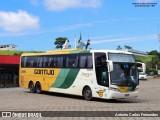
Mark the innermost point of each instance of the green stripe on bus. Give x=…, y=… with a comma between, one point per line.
x=70, y=78
x=61, y=78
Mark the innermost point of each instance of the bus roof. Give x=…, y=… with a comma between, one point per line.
x=63, y=51
x=111, y=51
x=72, y=51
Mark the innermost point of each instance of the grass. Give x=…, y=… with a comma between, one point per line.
x=16, y=53
x=145, y=59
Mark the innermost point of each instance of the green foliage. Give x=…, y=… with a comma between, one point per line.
x=59, y=42
x=145, y=59
x=119, y=47
x=16, y=53
x=151, y=70
x=155, y=61
x=152, y=62
x=6, y=52
x=153, y=52
x=127, y=47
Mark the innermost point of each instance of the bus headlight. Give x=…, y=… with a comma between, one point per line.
x=114, y=89
x=136, y=89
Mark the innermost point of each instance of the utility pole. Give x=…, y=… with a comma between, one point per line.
x=157, y=67
x=159, y=38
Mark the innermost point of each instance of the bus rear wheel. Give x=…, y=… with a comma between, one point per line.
x=38, y=88
x=87, y=93
x=31, y=87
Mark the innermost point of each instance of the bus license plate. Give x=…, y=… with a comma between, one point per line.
x=126, y=95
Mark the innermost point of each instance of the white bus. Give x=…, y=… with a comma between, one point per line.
x=105, y=74
x=141, y=67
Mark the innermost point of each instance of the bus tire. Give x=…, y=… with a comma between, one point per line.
x=31, y=87
x=38, y=88
x=87, y=93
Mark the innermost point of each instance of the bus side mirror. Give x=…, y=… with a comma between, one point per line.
x=110, y=65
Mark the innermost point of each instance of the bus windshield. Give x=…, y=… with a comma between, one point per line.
x=124, y=74
x=125, y=70
x=119, y=57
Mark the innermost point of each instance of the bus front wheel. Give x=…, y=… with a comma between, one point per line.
x=31, y=87
x=87, y=93
x=38, y=88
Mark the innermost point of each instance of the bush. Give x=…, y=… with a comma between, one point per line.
x=152, y=71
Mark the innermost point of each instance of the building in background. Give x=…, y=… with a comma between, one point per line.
x=9, y=70
x=8, y=47
x=136, y=53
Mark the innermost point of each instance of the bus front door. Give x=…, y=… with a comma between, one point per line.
x=101, y=69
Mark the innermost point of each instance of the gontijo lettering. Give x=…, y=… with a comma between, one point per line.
x=44, y=72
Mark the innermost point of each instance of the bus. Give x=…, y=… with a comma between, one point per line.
x=141, y=67
x=142, y=71
x=106, y=74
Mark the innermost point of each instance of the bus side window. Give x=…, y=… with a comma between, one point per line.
x=76, y=61
x=51, y=62
x=24, y=62
x=89, y=61
x=44, y=62
x=67, y=62
x=73, y=61
x=64, y=61
x=35, y=61
x=30, y=62
x=59, y=61
x=100, y=58
x=82, y=62
x=55, y=63
x=40, y=62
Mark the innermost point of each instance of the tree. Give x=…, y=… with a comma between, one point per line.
x=153, y=52
x=59, y=42
x=127, y=47
x=119, y=47
x=124, y=47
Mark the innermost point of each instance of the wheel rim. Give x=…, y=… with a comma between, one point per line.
x=88, y=94
x=31, y=87
x=38, y=88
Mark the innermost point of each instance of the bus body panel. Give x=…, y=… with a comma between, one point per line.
x=83, y=78
x=44, y=76
x=71, y=80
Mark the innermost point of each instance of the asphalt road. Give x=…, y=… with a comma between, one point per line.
x=19, y=99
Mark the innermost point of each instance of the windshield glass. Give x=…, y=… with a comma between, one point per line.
x=120, y=57
x=124, y=74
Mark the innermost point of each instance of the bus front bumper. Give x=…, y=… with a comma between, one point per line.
x=122, y=95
